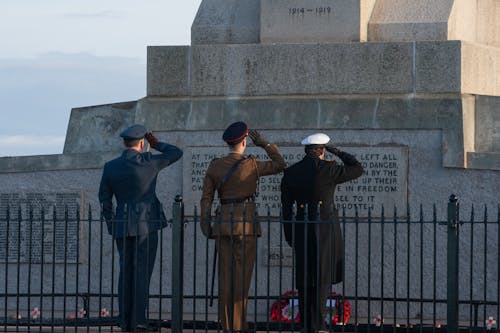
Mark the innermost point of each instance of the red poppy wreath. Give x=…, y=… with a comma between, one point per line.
x=286, y=309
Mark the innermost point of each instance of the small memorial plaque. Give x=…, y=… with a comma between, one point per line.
x=30, y=232
x=308, y=21
x=279, y=256
x=384, y=182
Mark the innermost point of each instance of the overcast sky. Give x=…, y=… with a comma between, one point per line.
x=59, y=54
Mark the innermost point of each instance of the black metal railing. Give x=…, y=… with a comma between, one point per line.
x=420, y=270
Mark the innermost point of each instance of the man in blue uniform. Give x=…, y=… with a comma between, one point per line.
x=316, y=239
x=131, y=180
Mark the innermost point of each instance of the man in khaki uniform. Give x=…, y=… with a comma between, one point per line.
x=236, y=228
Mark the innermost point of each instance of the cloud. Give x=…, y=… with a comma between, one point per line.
x=38, y=94
x=104, y=14
x=19, y=145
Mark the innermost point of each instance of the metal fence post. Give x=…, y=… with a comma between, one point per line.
x=177, y=263
x=452, y=265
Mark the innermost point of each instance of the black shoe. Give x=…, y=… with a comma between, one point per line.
x=147, y=328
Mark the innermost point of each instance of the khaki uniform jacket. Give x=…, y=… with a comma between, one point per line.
x=238, y=218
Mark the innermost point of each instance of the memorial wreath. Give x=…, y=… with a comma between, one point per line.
x=286, y=309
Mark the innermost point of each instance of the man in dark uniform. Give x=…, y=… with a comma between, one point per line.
x=235, y=178
x=131, y=179
x=318, y=245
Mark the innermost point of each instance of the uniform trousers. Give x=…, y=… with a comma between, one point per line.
x=312, y=307
x=137, y=257
x=309, y=276
x=236, y=263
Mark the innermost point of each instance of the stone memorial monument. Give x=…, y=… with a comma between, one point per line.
x=410, y=87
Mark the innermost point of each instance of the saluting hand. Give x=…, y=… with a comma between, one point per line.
x=333, y=150
x=153, y=140
x=258, y=139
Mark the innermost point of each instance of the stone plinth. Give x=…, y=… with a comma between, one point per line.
x=334, y=68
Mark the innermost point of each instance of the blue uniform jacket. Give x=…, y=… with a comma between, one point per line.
x=131, y=179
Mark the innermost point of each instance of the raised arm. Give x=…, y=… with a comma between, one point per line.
x=351, y=168
x=276, y=164
x=169, y=153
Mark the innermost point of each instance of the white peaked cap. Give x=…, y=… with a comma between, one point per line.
x=316, y=139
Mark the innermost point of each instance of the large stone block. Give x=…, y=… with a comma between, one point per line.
x=475, y=21
x=480, y=69
x=163, y=114
x=488, y=22
x=484, y=161
x=314, y=21
x=438, y=67
x=210, y=114
x=409, y=20
x=97, y=128
x=487, y=124
x=457, y=66
x=227, y=22
x=254, y=70
x=168, y=71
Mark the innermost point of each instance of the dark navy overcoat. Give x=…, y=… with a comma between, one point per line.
x=310, y=183
x=131, y=180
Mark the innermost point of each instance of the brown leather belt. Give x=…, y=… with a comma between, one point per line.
x=250, y=198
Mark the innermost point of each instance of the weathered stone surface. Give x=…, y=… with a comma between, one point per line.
x=475, y=21
x=457, y=66
x=488, y=22
x=168, y=71
x=97, y=128
x=408, y=20
x=451, y=113
x=253, y=70
x=438, y=67
x=227, y=22
x=487, y=124
x=167, y=114
x=296, y=69
x=480, y=68
x=485, y=161
x=463, y=21
x=311, y=21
